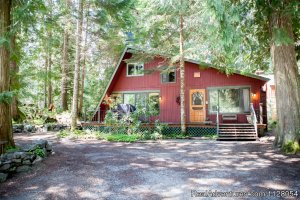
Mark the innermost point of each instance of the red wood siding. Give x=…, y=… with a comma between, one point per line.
x=169, y=109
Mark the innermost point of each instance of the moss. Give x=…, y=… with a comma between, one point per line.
x=291, y=147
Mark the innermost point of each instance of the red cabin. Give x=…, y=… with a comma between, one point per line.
x=207, y=89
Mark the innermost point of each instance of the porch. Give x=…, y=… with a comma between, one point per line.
x=192, y=129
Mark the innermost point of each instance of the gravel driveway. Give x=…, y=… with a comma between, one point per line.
x=172, y=169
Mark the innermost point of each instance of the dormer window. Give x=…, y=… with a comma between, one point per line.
x=135, y=69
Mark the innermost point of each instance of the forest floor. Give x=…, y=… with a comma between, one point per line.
x=174, y=169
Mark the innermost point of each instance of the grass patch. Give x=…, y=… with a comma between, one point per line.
x=11, y=148
x=176, y=136
x=123, y=138
x=87, y=134
x=120, y=137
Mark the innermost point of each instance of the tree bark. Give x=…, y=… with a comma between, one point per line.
x=65, y=70
x=182, y=79
x=49, y=82
x=49, y=57
x=83, y=70
x=15, y=111
x=287, y=83
x=77, y=66
x=46, y=83
x=5, y=108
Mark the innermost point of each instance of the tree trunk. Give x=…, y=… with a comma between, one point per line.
x=182, y=81
x=46, y=83
x=65, y=69
x=82, y=87
x=287, y=83
x=77, y=66
x=83, y=70
x=5, y=108
x=15, y=111
x=49, y=82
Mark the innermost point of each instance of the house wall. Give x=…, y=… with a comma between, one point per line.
x=169, y=109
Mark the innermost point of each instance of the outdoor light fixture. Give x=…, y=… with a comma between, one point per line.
x=159, y=98
x=253, y=96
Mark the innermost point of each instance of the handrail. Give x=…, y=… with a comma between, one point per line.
x=253, y=118
x=217, y=120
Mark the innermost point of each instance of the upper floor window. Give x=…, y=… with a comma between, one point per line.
x=135, y=69
x=169, y=77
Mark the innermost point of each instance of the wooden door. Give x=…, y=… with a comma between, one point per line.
x=197, y=105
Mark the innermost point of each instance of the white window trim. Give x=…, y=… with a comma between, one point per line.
x=135, y=64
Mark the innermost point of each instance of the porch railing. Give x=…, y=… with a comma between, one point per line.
x=217, y=120
x=253, y=118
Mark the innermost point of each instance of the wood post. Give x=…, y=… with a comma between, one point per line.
x=99, y=115
x=261, y=119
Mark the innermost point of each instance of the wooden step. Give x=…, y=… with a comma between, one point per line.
x=237, y=138
x=237, y=127
x=236, y=124
x=237, y=132
x=242, y=135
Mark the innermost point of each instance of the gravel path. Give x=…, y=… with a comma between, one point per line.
x=172, y=169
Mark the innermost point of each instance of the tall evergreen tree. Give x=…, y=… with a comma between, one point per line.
x=77, y=66
x=5, y=96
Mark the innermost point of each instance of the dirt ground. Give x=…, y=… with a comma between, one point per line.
x=169, y=169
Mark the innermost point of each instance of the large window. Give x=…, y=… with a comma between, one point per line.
x=135, y=69
x=229, y=100
x=129, y=99
x=145, y=99
x=168, y=77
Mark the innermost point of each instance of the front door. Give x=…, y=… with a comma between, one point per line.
x=197, y=105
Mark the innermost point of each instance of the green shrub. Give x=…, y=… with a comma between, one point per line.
x=291, y=147
x=63, y=134
x=272, y=124
x=39, y=152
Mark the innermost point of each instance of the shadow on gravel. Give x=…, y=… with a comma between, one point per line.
x=168, y=169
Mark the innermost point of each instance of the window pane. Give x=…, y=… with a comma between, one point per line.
x=164, y=78
x=197, y=98
x=141, y=99
x=213, y=100
x=129, y=99
x=172, y=76
x=154, y=101
x=139, y=69
x=246, y=100
x=168, y=77
x=229, y=100
x=131, y=69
